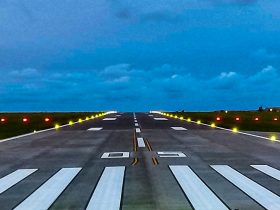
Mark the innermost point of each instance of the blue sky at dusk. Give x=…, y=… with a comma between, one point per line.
x=132, y=55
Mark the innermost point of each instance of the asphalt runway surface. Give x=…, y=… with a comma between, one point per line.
x=139, y=161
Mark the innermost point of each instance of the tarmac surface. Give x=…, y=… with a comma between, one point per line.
x=139, y=161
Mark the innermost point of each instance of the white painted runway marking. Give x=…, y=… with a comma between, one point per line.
x=264, y=197
x=109, y=119
x=171, y=154
x=137, y=130
x=160, y=118
x=115, y=155
x=136, y=124
x=179, y=128
x=200, y=196
x=108, y=192
x=45, y=195
x=13, y=178
x=140, y=142
x=94, y=129
x=268, y=171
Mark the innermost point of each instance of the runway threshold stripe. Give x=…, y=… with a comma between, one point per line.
x=200, y=196
x=13, y=178
x=140, y=142
x=268, y=171
x=108, y=192
x=263, y=196
x=45, y=195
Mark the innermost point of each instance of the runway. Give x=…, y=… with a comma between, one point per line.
x=139, y=161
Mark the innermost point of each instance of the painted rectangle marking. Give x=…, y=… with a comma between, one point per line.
x=160, y=118
x=268, y=170
x=110, y=119
x=45, y=195
x=94, y=129
x=263, y=196
x=179, y=128
x=200, y=196
x=141, y=142
x=108, y=192
x=11, y=179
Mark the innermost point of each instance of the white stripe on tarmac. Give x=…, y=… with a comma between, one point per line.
x=140, y=142
x=179, y=128
x=108, y=192
x=45, y=195
x=268, y=171
x=263, y=196
x=137, y=130
x=160, y=118
x=13, y=178
x=110, y=119
x=200, y=196
x=94, y=129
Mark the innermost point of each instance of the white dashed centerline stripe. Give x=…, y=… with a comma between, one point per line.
x=109, y=119
x=45, y=195
x=94, y=129
x=160, y=118
x=200, y=196
x=268, y=171
x=179, y=128
x=137, y=130
x=140, y=142
x=263, y=196
x=13, y=178
x=108, y=192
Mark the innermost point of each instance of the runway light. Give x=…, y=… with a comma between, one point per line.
x=237, y=118
x=213, y=125
x=70, y=122
x=234, y=130
x=80, y=120
x=25, y=120
x=273, y=138
x=56, y=126
x=198, y=122
x=218, y=118
x=189, y=119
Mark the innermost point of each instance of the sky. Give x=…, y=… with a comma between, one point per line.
x=127, y=55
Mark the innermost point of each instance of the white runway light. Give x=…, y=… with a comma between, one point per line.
x=160, y=118
x=263, y=196
x=109, y=119
x=46, y=194
x=10, y=180
x=179, y=128
x=94, y=129
x=108, y=192
x=200, y=196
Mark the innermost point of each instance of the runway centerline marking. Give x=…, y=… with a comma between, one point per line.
x=179, y=128
x=169, y=154
x=115, y=155
x=109, y=119
x=263, y=196
x=95, y=129
x=268, y=171
x=45, y=195
x=160, y=118
x=200, y=196
x=108, y=192
x=141, y=142
x=11, y=179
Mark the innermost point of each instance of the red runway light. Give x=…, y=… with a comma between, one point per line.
x=218, y=118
